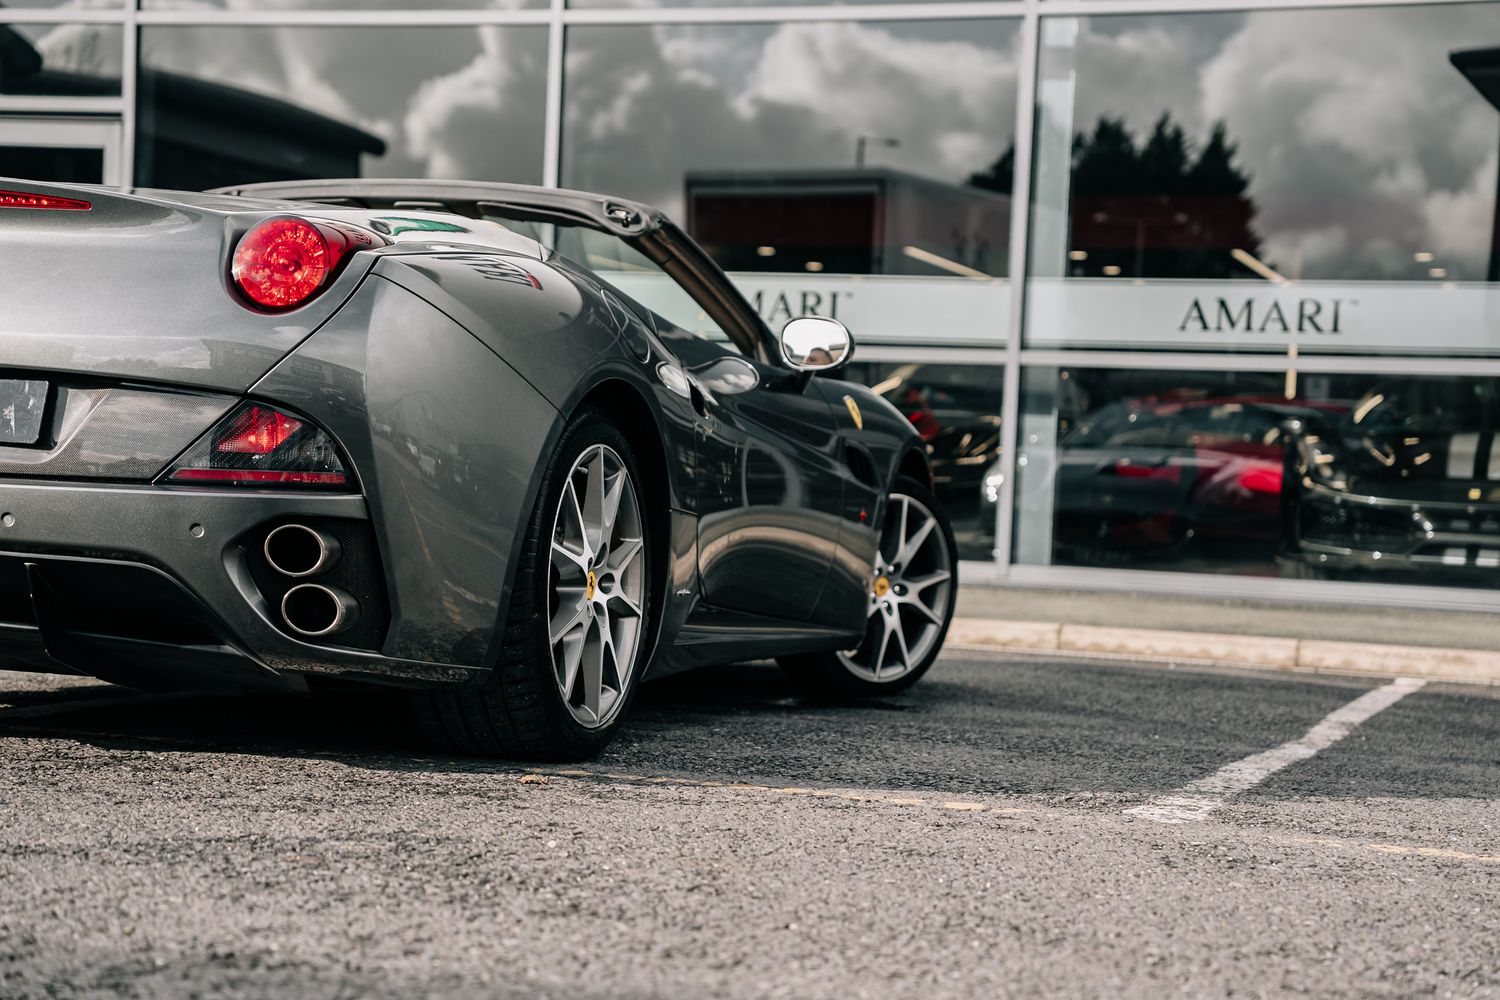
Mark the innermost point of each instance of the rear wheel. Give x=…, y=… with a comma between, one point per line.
x=575, y=636
x=913, y=586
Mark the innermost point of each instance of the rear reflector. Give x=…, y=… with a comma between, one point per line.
x=259, y=476
x=22, y=199
x=260, y=445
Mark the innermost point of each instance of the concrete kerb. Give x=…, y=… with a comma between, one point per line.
x=1268, y=652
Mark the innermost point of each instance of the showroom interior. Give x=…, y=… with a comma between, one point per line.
x=1185, y=296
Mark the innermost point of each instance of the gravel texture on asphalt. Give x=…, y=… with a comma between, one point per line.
x=963, y=839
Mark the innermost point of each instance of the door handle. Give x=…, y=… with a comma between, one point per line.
x=699, y=401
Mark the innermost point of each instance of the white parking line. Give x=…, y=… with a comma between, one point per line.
x=1195, y=800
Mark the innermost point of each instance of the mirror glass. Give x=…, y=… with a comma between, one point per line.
x=815, y=343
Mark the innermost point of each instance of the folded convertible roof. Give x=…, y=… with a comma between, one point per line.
x=472, y=199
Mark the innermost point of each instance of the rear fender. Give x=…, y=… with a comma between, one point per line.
x=447, y=439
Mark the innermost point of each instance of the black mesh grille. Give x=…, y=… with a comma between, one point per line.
x=1354, y=527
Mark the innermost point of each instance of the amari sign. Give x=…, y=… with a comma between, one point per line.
x=1341, y=317
x=887, y=308
x=1222, y=314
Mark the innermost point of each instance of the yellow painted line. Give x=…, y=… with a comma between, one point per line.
x=794, y=791
x=1444, y=853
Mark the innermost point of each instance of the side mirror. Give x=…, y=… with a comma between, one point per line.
x=815, y=344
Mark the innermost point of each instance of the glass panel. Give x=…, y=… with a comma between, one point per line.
x=61, y=60
x=1314, y=476
x=1323, y=180
x=956, y=410
x=642, y=286
x=597, y=4
x=855, y=170
x=342, y=4
x=52, y=163
x=227, y=105
x=92, y=4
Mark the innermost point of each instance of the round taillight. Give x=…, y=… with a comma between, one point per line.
x=281, y=263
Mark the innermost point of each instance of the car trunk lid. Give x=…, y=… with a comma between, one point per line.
x=137, y=287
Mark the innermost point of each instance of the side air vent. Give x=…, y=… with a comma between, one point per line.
x=860, y=463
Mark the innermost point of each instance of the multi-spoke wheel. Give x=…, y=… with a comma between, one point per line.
x=910, y=594
x=912, y=588
x=598, y=586
x=574, y=639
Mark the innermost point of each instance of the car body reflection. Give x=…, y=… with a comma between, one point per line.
x=1404, y=483
x=1147, y=477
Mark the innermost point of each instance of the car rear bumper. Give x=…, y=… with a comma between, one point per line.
x=159, y=587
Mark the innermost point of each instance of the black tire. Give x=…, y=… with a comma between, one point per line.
x=829, y=675
x=518, y=711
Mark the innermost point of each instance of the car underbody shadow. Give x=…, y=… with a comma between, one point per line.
x=351, y=721
x=995, y=725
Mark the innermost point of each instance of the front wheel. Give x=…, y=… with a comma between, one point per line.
x=913, y=586
x=574, y=641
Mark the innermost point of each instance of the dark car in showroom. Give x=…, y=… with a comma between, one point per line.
x=513, y=448
x=1405, y=485
x=1149, y=476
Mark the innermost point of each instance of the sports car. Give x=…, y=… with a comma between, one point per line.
x=516, y=449
x=1405, y=485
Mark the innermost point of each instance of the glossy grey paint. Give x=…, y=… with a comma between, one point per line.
x=887, y=438
x=445, y=437
x=446, y=366
x=769, y=492
x=84, y=292
x=153, y=526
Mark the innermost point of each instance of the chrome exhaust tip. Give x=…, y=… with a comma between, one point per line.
x=316, y=611
x=297, y=551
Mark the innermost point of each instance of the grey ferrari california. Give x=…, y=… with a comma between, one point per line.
x=515, y=449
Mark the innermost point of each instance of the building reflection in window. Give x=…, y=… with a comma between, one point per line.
x=1356, y=477
x=830, y=167
x=1268, y=146
x=61, y=60
x=956, y=411
x=225, y=105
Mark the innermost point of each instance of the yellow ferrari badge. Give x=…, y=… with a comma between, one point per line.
x=859, y=418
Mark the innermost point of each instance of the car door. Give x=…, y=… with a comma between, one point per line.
x=766, y=454
x=770, y=488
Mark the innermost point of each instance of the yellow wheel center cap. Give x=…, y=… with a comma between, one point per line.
x=588, y=590
x=882, y=586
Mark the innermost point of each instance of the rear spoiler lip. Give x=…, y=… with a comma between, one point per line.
x=613, y=215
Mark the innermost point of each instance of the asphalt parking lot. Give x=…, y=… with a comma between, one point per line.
x=987, y=833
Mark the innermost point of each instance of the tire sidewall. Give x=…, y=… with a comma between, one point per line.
x=849, y=682
x=587, y=428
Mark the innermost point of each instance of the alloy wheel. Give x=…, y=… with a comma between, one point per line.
x=910, y=593
x=597, y=586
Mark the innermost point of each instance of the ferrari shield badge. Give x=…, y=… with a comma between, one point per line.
x=859, y=418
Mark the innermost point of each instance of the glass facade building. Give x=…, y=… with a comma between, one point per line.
x=1192, y=296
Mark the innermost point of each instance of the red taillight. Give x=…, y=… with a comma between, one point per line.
x=282, y=263
x=1261, y=478
x=257, y=430
x=23, y=199
x=259, y=445
x=1167, y=473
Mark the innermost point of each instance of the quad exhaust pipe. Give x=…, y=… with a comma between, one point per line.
x=297, y=551
x=316, y=611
